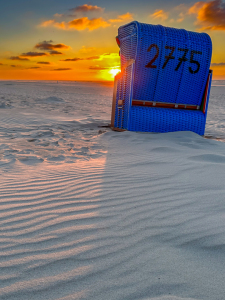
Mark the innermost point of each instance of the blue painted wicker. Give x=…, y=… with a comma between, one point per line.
x=170, y=66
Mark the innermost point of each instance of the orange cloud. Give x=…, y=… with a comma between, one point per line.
x=85, y=23
x=78, y=24
x=125, y=17
x=53, y=23
x=160, y=14
x=211, y=14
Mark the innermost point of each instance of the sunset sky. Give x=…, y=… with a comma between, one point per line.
x=75, y=40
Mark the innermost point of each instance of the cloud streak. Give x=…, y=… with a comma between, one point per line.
x=87, y=8
x=43, y=63
x=33, y=54
x=62, y=69
x=160, y=14
x=47, y=45
x=78, y=24
x=72, y=59
x=95, y=57
x=84, y=23
x=54, y=52
x=125, y=17
x=18, y=58
x=218, y=64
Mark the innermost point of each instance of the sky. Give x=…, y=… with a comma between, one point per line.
x=75, y=40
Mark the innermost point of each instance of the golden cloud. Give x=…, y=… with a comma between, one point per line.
x=125, y=17
x=54, y=24
x=78, y=24
x=210, y=15
x=85, y=23
x=160, y=14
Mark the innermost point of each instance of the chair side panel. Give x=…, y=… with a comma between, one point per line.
x=128, y=42
x=166, y=120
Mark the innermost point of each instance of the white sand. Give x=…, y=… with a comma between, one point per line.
x=88, y=214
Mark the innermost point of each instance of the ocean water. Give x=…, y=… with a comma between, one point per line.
x=87, y=213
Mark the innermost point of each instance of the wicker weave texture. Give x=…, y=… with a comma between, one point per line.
x=166, y=120
x=171, y=64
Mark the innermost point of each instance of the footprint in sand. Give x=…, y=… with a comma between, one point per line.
x=30, y=160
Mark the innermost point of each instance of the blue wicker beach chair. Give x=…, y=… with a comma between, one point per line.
x=165, y=79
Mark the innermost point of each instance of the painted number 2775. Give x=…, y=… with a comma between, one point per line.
x=181, y=59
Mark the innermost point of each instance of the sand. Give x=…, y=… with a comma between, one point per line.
x=88, y=213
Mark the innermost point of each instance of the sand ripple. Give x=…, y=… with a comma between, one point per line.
x=95, y=215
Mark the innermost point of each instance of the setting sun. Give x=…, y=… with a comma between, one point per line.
x=114, y=71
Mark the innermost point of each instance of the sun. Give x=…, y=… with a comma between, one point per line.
x=109, y=73
x=114, y=71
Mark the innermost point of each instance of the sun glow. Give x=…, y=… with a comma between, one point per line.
x=114, y=71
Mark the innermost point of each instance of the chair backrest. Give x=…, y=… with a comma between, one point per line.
x=171, y=65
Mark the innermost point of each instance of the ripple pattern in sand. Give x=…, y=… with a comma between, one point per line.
x=48, y=222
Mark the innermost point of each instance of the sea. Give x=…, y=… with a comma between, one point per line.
x=87, y=213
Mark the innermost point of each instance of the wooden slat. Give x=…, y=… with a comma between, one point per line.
x=164, y=105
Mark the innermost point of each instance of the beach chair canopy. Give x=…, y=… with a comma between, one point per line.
x=164, y=80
